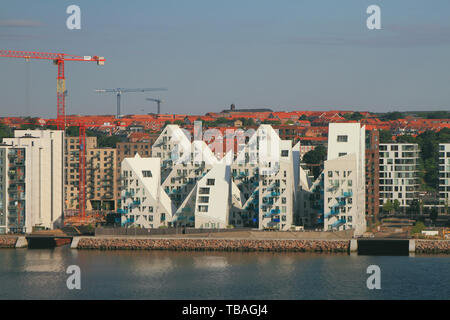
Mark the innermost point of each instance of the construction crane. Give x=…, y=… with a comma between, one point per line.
x=119, y=92
x=58, y=59
x=158, y=104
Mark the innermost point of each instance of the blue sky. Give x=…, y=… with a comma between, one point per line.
x=285, y=55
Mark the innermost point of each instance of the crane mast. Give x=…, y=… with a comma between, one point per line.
x=119, y=91
x=59, y=60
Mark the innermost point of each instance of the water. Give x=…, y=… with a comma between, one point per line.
x=40, y=274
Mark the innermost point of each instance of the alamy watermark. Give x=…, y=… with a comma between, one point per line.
x=74, y=20
x=74, y=280
x=374, y=280
x=374, y=20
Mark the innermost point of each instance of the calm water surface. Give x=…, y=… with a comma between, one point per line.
x=40, y=274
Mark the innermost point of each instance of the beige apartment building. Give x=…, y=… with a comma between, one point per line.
x=101, y=175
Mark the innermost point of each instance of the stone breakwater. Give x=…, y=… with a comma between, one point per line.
x=8, y=242
x=215, y=245
x=433, y=246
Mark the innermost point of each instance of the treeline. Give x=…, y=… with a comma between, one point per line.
x=103, y=140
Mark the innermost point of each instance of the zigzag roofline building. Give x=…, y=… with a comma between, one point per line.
x=184, y=184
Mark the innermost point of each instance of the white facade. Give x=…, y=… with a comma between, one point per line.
x=399, y=173
x=144, y=202
x=42, y=177
x=344, y=178
x=255, y=188
x=444, y=176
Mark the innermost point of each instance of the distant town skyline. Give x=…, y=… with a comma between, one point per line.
x=284, y=56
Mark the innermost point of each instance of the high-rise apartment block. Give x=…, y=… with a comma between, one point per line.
x=444, y=177
x=31, y=185
x=101, y=175
x=399, y=173
x=344, y=178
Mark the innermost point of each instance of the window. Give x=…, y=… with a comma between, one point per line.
x=147, y=173
x=210, y=182
x=284, y=153
x=341, y=154
x=202, y=208
x=203, y=199
x=204, y=191
x=342, y=138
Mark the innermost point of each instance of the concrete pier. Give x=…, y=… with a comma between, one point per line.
x=21, y=242
x=412, y=246
x=74, y=243
x=353, y=245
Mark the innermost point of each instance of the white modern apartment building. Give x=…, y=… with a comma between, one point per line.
x=253, y=188
x=31, y=180
x=399, y=173
x=144, y=202
x=444, y=177
x=344, y=178
x=266, y=171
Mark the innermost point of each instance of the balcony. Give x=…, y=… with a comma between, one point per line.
x=338, y=223
x=331, y=213
x=348, y=194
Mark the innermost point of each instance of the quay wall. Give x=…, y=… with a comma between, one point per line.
x=214, y=244
x=433, y=246
x=8, y=242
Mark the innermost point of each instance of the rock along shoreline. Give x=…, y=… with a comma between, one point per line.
x=8, y=242
x=215, y=245
x=433, y=246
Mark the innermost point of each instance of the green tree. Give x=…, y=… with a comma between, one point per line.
x=418, y=227
x=438, y=115
x=30, y=124
x=388, y=206
x=396, y=206
x=434, y=213
x=303, y=117
x=385, y=136
x=392, y=116
x=354, y=116
x=405, y=139
x=414, y=207
x=104, y=141
x=316, y=157
x=5, y=131
x=72, y=131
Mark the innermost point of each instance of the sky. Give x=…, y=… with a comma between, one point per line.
x=284, y=55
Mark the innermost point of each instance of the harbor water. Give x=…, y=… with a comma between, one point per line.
x=41, y=274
